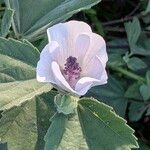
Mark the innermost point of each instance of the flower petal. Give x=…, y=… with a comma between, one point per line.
x=104, y=77
x=93, y=69
x=43, y=70
x=59, y=78
x=66, y=33
x=97, y=48
x=84, y=84
x=77, y=27
x=81, y=46
x=61, y=31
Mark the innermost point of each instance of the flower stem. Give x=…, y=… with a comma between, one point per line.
x=129, y=74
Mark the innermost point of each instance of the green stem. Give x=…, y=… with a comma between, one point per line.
x=129, y=74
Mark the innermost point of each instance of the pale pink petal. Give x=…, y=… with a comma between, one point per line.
x=81, y=46
x=66, y=33
x=84, y=84
x=77, y=27
x=97, y=48
x=61, y=31
x=43, y=70
x=104, y=77
x=93, y=69
x=60, y=34
x=75, y=39
x=50, y=51
x=59, y=78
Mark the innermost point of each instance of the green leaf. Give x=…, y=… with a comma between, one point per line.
x=55, y=132
x=112, y=94
x=133, y=30
x=65, y=134
x=148, y=7
x=3, y=147
x=18, y=60
x=148, y=110
x=145, y=88
x=136, y=63
x=65, y=104
x=1, y=1
x=20, y=51
x=18, y=127
x=145, y=91
x=133, y=91
x=23, y=127
x=6, y=22
x=148, y=77
x=49, y=13
x=17, y=71
x=44, y=104
x=11, y=96
x=115, y=60
x=136, y=110
x=104, y=129
x=138, y=42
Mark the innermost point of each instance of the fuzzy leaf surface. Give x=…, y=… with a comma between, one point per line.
x=23, y=127
x=49, y=13
x=104, y=129
x=65, y=134
x=17, y=73
x=6, y=22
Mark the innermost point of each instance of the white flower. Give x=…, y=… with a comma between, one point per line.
x=74, y=59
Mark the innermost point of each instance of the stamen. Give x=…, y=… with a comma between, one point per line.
x=72, y=71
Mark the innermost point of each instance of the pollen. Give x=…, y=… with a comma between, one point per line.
x=72, y=71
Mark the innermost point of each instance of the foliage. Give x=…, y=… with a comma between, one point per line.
x=31, y=119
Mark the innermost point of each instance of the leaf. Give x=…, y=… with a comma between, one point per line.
x=138, y=42
x=145, y=88
x=6, y=22
x=23, y=127
x=11, y=96
x=104, y=129
x=133, y=91
x=49, y=13
x=17, y=124
x=133, y=30
x=18, y=60
x=65, y=133
x=115, y=60
x=45, y=109
x=3, y=147
x=145, y=91
x=55, y=132
x=112, y=94
x=20, y=51
x=148, y=77
x=148, y=7
x=136, y=63
x=136, y=110
x=73, y=137
x=148, y=110
x=65, y=104
x=17, y=71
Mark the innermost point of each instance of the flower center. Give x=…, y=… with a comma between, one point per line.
x=72, y=71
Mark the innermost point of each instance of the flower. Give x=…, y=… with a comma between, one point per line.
x=74, y=59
